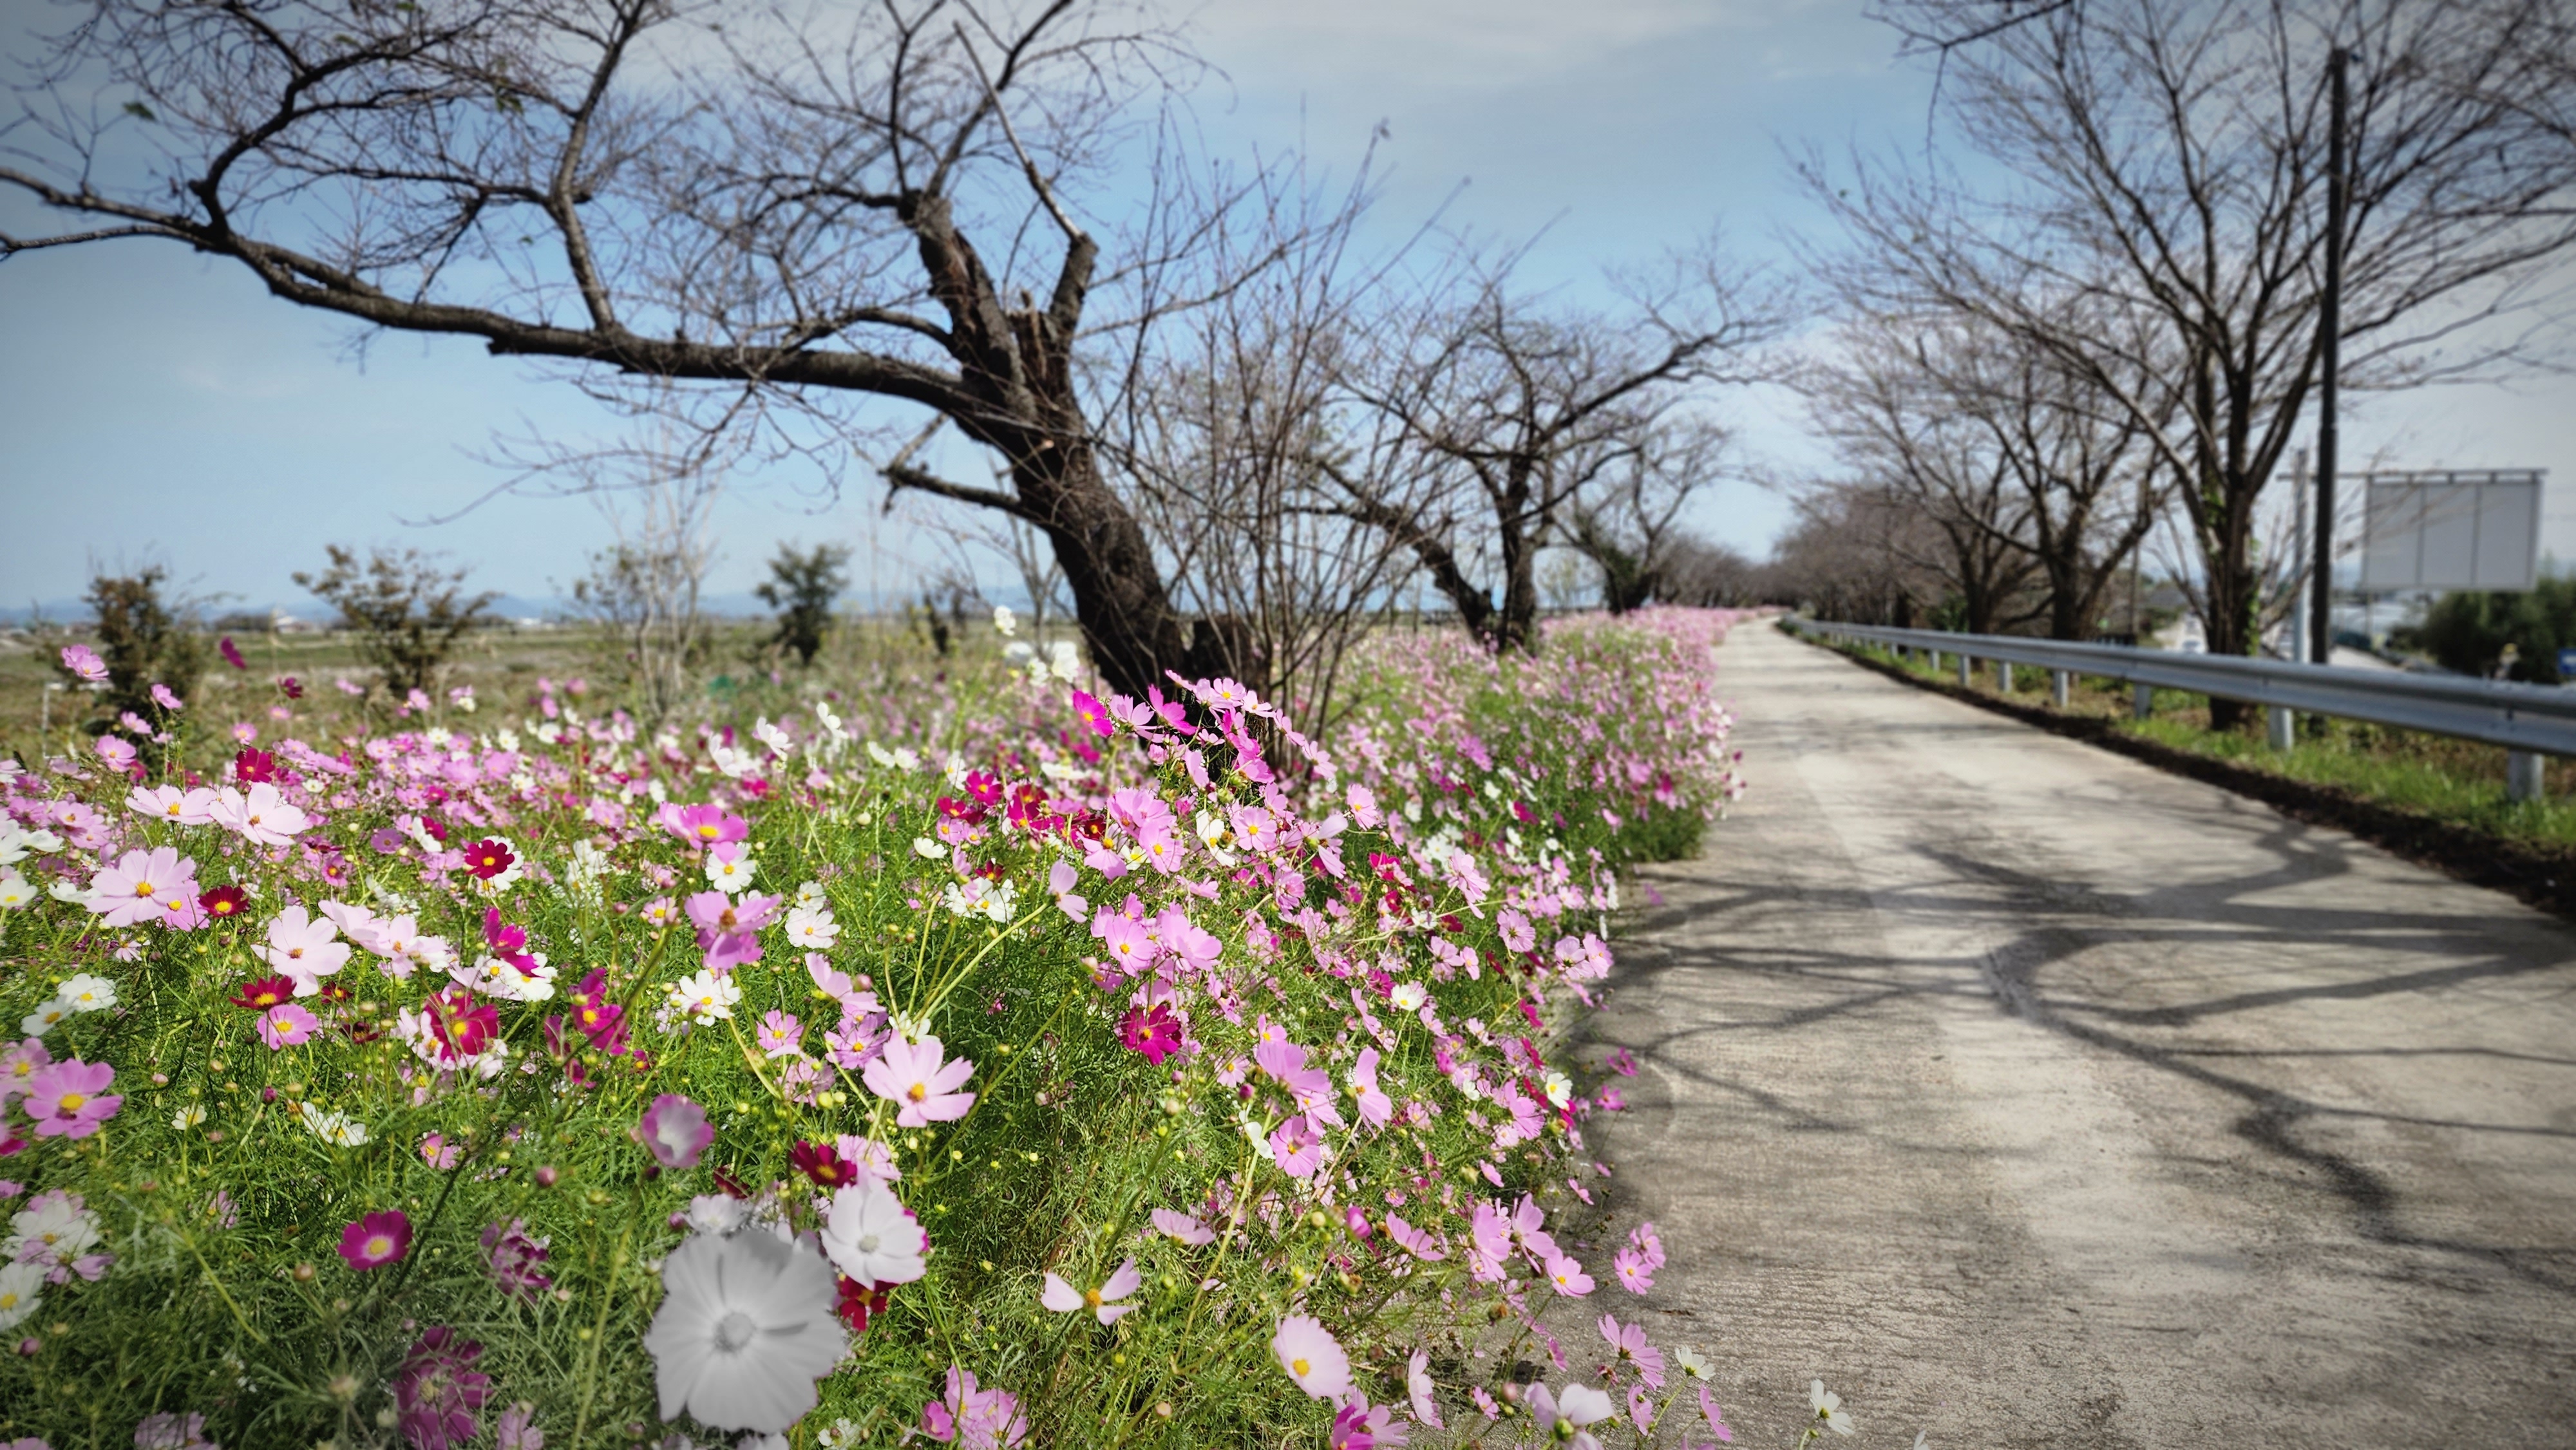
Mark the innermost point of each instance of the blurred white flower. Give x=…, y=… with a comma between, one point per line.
x=870, y=1236
x=1829, y=1408
x=744, y=1330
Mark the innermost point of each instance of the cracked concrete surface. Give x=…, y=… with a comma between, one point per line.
x=2030, y=1096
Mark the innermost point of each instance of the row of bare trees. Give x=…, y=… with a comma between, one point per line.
x=791, y=236
x=2099, y=287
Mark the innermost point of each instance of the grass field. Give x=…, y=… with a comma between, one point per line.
x=2451, y=780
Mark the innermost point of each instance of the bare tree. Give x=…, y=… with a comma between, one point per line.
x=1852, y=555
x=1713, y=576
x=2168, y=163
x=1227, y=440
x=1629, y=526
x=1514, y=407
x=1897, y=428
x=790, y=214
x=644, y=587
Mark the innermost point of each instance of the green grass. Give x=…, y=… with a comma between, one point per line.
x=2457, y=781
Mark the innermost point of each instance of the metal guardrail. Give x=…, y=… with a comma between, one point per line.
x=2529, y=720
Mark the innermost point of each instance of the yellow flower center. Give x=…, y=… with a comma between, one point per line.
x=917, y=1092
x=72, y=1101
x=1299, y=1367
x=1091, y=1297
x=379, y=1246
x=145, y=888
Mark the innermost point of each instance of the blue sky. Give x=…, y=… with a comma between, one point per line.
x=156, y=405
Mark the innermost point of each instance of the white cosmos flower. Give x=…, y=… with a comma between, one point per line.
x=21, y=1287
x=1687, y=1360
x=1829, y=1408
x=338, y=1129
x=46, y=1017
x=744, y=1331
x=731, y=876
x=188, y=1117
x=706, y=994
x=717, y=1213
x=870, y=1237
x=15, y=892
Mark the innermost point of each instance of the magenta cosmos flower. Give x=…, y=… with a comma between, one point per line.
x=1157, y=1034
x=675, y=1130
x=137, y=887
x=702, y=826
x=65, y=1099
x=1296, y=1146
x=438, y=1391
x=376, y=1240
x=923, y=1089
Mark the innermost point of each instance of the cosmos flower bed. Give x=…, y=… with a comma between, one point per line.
x=1055, y=1070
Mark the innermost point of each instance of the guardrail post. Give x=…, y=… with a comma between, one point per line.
x=2281, y=726
x=2142, y=701
x=2003, y=676
x=2061, y=684
x=2522, y=775
x=1965, y=666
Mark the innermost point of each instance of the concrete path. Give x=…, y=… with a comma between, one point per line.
x=2029, y=1096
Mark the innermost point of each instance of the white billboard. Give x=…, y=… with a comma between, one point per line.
x=2452, y=529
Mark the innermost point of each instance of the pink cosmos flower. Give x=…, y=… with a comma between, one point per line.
x=1418, y=1388
x=85, y=664
x=675, y=1130
x=1063, y=1298
x=974, y=1419
x=261, y=816
x=1157, y=1033
x=140, y=885
x=18, y=1065
x=1629, y=1342
x=376, y=1240
x=702, y=826
x=1716, y=1422
x=164, y=1431
x=1641, y=1408
x=163, y=697
x=305, y=948
x=1183, y=1227
x=1350, y=1429
x=913, y=1076
x=1414, y=1241
x=1297, y=1148
x=1568, y=1276
x=66, y=1099
x=1630, y=1267
x=1375, y=1107
x=118, y=753
x=287, y=1025
x=780, y=1034
x=439, y=1153
x=1312, y=1087
x=1312, y=1357
x=232, y=654
x=439, y=1392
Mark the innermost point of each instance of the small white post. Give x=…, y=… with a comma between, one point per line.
x=2061, y=685
x=2003, y=676
x=2142, y=701
x=2282, y=726
x=2522, y=775
x=1965, y=666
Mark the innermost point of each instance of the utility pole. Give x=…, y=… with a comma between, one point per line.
x=2302, y=615
x=2330, y=350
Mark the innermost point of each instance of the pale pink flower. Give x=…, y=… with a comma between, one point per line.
x=262, y=816
x=117, y=752
x=1183, y=1227
x=1417, y=1387
x=1414, y=1241
x=306, y=949
x=1568, y=1276
x=85, y=664
x=1375, y=1107
x=914, y=1077
x=1295, y=1146
x=1063, y=1298
x=135, y=889
x=1629, y=1342
x=974, y=1419
x=1573, y=1408
x=165, y=698
x=1312, y=1357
